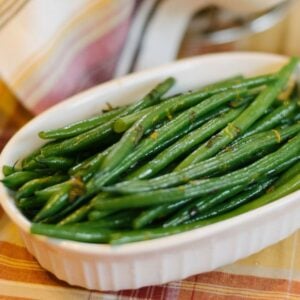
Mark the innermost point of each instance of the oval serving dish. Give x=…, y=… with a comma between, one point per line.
x=104, y=267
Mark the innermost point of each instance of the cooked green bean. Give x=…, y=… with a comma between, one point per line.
x=67, y=194
x=162, y=137
x=81, y=126
x=185, y=144
x=8, y=170
x=55, y=162
x=93, y=184
x=57, y=201
x=123, y=123
x=272, y=119
x=241, y=153
x=73, y=232
x=95, y=215
x=235, y=202
x=77, y=216
x=131, y=138
x=102, y=132
x=288, y=175
x=31, y=203
x=198, y=206
x=157, y=212
x=269, y=165
x=255, y=110
x=117, y=238
x=30, y=187
x=46, y=193
x=17, y=179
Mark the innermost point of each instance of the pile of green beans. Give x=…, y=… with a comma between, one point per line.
x=164, y=165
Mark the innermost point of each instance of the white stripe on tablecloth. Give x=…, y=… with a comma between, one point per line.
x=41, y=31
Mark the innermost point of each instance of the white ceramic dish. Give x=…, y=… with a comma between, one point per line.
x=103, y=267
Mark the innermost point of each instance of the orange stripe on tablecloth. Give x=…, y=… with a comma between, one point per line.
x=7, y=261
x=12, y=115
x=34, y=63
x=21, y=266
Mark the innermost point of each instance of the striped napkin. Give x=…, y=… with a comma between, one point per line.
x=52, y=49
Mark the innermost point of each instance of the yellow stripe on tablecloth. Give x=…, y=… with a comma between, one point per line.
x=35, y=62
x=286, y=252
x=9, y=232
x=18, y=263
x=85, y=40
x=232, y=291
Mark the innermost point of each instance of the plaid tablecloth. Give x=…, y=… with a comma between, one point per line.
x=273, y=273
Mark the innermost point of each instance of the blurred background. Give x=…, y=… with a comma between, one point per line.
x=52, y=49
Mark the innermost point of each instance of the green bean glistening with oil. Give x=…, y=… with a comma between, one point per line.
x=164, y=165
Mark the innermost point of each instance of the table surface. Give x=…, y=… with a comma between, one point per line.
x=273, y=273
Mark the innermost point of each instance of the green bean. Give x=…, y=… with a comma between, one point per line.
x=80, y=126
x=123, y=123
x=88, y=167
x=117, y=238
x=78, y=211
x=8, y=170
x=269, y=165
x=46, y=193
x=95, y=215
x=67, y=194
x=132, y=136
x=153, y=97
x=297, y=117
x=31, y=157
x=31, y=203
x=79, y=142
x=30, y=187
x=76, y=202
x=102, y=132
x=240, y=153
x=54, y=204
x=162, y=137
x=17, y=179
x=288, y=175
x=198, y=206
x=272, y=119
x=185, y=144
x=77, y=216
x=235, y=202
x=73, y=232
x=255, y=110
x=55, y=162
x=156, y=212
x=120, y=220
